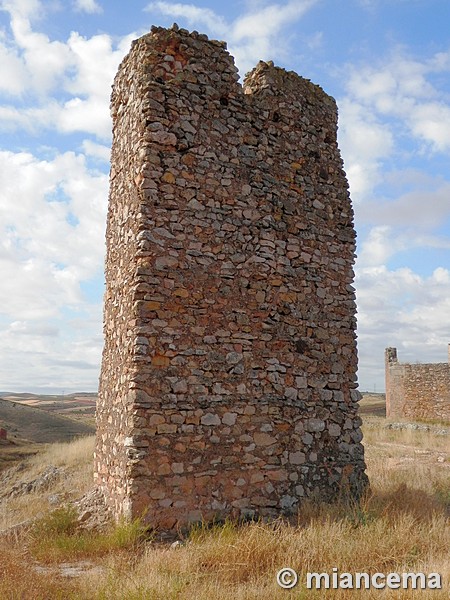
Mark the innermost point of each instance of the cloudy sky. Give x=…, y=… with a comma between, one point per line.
x=387, y=63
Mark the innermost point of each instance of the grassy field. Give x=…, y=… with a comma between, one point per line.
x=401, y=526
x=373, y=405
x=37, y=425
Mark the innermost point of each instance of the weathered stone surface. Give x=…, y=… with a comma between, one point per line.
x=228, y=384
x=264, y=439
x=229, y=418
x=210, y=419
x=297, y=458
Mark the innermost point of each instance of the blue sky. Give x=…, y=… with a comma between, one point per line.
x=387, y=63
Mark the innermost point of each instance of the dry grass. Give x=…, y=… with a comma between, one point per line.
x=67, y=454
x=20, y=582
x=76, y=460
x=56, y=537
x=11, y=454
x=402, y=526
x=241, y=563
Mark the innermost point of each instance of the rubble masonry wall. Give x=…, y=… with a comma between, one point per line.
x=417, y=391
x=228, y=383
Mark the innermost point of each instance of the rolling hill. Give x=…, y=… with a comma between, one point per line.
x=38, y=425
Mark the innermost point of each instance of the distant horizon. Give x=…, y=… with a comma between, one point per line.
x=47, y=392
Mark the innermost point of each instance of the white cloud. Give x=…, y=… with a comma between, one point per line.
x=95, y=63
x=52, y=219
x=379, y=246
x=90, y=85
x=265, y=22
x=441, y=275
x=365, y=142
x=97, y=151
x=431, y=122
x=28, y=9
x=256, y=35
x=389, y=106
x=194, y=15
x=402, y=309
x=52, y=215
x=53, y=211
x=27, y=328
x=398, y=306
x=90, y=116
x=30, y=119
x=88, y=6
x=252, y=36
x=45, y=61
x=421, y=209
x=57, y=356
x=402, y=88
x=13, y=75
x=399, y=78
x=68, y=84
x=383, y=242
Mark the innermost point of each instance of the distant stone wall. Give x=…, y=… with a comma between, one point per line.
x=228, y=384
x=417, y=391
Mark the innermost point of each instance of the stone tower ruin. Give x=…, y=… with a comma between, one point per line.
x=417, y=391
x=228, y=383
